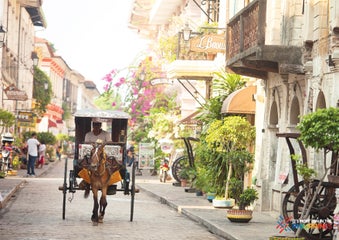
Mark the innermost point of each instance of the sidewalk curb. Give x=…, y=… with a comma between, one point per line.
x=210, y=226
x=7, y=196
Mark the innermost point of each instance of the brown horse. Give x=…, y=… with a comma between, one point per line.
x=100, y=171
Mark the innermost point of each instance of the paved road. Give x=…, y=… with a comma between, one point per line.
x=35, y=212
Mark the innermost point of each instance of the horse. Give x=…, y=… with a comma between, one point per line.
x=100, y=171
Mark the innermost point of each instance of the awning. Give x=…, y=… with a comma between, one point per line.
x=240, y=101
x=51, y=124
x=192, y=69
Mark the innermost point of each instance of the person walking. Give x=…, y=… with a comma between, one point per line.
x=42, y=153
x=32, y=151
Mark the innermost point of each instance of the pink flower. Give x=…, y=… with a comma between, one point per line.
x=118, y=84
x=135, y=91
x=113, y=104
x=108, y=78
x=106, y=87
x=122, y=80
x=114, y=71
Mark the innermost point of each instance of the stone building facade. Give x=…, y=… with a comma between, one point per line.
x=293, y=47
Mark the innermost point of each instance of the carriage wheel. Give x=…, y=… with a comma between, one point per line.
x=179, y=164
x=132, y=192
x=64, y=191
x=322, y=209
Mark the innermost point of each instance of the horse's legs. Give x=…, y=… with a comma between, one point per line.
x=95, y=207
x=103, y=204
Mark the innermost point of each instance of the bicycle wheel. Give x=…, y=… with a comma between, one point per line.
x=179, y=164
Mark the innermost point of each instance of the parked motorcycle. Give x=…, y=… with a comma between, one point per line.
x=164, y=168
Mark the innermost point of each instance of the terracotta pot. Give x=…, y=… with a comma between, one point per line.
x=236, y=215
x=183, y=182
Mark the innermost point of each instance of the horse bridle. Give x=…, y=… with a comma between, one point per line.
x=96, y=165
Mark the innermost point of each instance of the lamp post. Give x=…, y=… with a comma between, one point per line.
x=186, y=32
x=35, y=59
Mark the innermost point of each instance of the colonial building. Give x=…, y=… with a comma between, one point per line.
x=70, y=90
x=292, y=46
x=18, y=20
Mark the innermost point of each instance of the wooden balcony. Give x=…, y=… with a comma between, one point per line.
x=247, y=53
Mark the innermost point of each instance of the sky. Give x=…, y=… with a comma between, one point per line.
x=92, y=36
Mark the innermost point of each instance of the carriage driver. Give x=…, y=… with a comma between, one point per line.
x=97, y=134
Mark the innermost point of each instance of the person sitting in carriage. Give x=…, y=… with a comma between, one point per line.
x=99, y=136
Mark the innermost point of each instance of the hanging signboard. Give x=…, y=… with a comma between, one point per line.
x=209, y=43
x=13, y=93
x=26, y=119
x=146, y=155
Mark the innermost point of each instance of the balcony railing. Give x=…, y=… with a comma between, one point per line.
x=246, y=29
x=248, y=54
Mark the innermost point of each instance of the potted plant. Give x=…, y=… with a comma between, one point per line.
x=243, y=199
x=228, y=141
x=184, y=176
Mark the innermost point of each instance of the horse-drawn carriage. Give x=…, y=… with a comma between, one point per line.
x=100, y=164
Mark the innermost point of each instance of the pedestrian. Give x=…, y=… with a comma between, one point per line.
x=7, y=149
x=58, y=152
x=32, y=151
x=42, y=153
x=129, y=157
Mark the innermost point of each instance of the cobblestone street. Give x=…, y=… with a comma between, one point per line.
x=35, y=212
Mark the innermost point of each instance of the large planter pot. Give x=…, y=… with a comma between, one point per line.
x=223, y=203
x=236, y=215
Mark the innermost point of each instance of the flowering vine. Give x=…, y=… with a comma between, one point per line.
x=137, y=95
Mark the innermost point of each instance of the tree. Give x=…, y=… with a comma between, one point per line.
x=229, y=140
x=7, y=119
x=42, y=96
x=319, y=130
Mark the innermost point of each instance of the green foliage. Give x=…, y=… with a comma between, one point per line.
x=167, y=46
x=42, y=97
x=67, y=112
x=46, y=137
x=229, y=140
x=7, y=119
x=187, y=173
x=247, y=197
x=303, y=170
x=320, y=129
x=104, y=101
x=62, y=137
x=223, y=85
x=232, y=133
x=235, y=188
